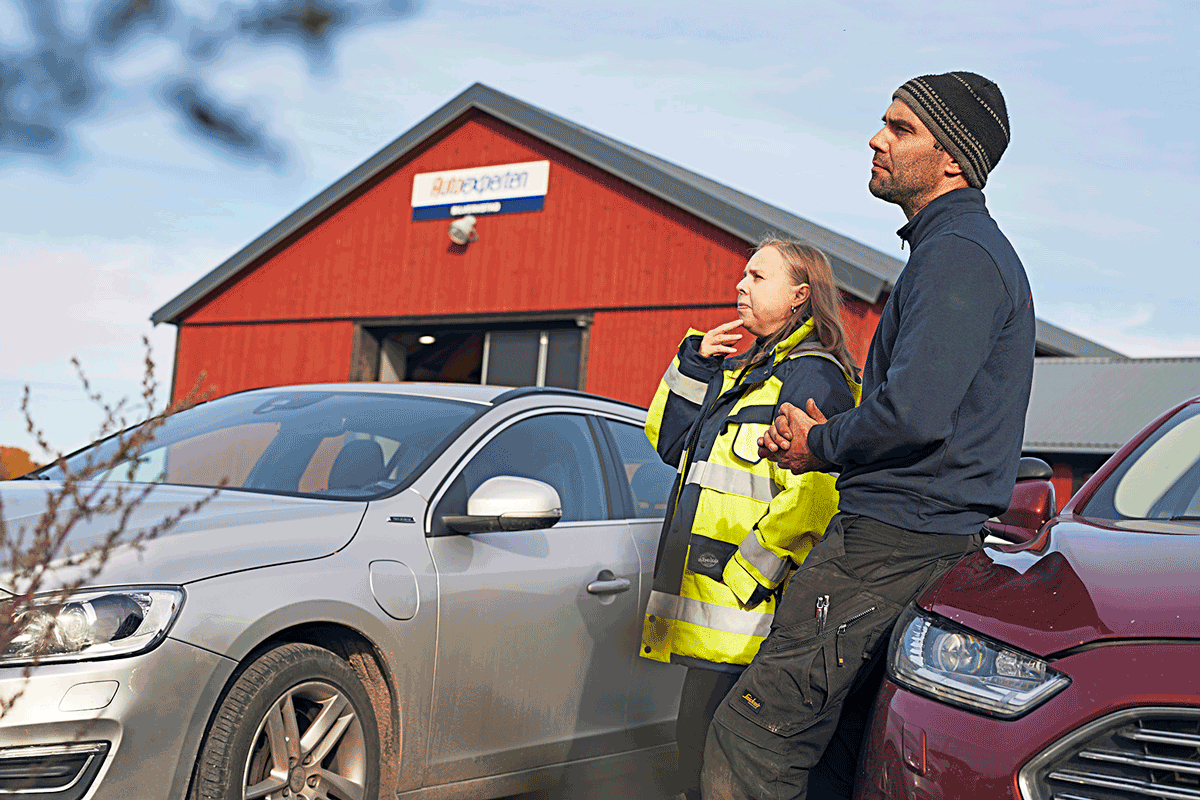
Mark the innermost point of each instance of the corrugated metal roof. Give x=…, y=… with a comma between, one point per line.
x=1054, y=341
x=860, y=270
x=1094, y=405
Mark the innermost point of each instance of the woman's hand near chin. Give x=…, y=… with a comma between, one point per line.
x=719, y=341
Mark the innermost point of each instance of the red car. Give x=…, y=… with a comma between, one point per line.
x=1066, y=665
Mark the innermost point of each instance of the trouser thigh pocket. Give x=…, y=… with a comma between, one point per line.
x=784, y=690
x=803, y=671
x=856, y=635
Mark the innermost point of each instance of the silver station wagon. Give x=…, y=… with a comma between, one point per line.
x=430, y=590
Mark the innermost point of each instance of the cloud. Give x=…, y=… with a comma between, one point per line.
x=92, y=300
x=1095, y=190
x=1141, y=330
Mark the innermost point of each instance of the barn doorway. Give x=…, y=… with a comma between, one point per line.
x=517, y=353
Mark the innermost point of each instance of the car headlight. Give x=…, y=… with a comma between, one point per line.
x=932, y=656
x=101, y=623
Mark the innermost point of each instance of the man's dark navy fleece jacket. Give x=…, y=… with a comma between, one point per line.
x=935, y=443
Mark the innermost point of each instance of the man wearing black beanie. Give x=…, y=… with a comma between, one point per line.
x=927, y=457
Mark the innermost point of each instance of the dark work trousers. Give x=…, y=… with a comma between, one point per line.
x=832, y=778
x=834, y=775
x=703, y=691
x=775, y=725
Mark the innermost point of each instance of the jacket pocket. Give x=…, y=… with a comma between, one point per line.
x=708, y=557
x=745, y=441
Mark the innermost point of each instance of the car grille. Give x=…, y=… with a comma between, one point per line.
x=1134, y=754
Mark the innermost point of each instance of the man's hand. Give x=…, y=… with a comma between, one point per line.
x=786, y=441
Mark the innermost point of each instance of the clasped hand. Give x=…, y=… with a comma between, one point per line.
x=786, y=441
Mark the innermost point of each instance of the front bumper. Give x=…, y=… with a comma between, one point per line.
x=108, y=730
x=918, y=747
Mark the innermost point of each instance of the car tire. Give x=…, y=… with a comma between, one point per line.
x=296, y=723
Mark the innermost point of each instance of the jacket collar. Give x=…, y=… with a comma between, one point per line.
x=782, y=350
x=787, y=345
x=941, y=210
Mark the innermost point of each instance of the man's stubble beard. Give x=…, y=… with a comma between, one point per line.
x=889, y=191
x=906, y=185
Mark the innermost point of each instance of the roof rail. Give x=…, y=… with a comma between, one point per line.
x=526, y=391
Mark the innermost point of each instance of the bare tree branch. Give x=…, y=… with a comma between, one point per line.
x=59, y=76
x=33, y=558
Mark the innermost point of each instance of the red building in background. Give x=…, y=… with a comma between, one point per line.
x=585, y=275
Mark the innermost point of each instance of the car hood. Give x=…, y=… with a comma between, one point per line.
x=233, y=531
x=1080, y=582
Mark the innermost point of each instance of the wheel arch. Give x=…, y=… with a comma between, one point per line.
x=367, y=661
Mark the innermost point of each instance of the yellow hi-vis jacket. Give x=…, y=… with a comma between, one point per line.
x=736, y=521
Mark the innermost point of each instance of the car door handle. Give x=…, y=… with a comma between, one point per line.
x=607, y=583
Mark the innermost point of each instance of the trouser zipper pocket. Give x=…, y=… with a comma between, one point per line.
x=841, y=631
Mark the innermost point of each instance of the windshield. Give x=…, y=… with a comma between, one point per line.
x=1160, y=479
x=325, y=444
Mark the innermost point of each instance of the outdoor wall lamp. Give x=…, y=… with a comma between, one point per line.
x=462, y=230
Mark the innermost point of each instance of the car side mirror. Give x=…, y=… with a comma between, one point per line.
x=508, y=503
x=1031, y=469
x=1033, y=503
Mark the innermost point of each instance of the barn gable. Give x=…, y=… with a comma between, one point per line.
x=627, y=251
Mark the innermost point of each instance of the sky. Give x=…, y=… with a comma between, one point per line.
x=776, y=99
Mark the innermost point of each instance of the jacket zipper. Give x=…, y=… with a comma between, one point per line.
x=841, y=631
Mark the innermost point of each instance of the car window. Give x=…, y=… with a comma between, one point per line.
x=557, y=449
x=650, y=480
x=207, y=458
x=379, y=462
x=1160, y=479
x=350, y=445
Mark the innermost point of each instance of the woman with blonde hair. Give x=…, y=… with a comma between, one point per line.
x=737, y=525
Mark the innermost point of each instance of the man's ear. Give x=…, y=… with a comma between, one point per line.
x=952, y=168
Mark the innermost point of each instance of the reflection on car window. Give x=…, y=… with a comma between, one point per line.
x=348, y=445
x=557, y=449
x=203, y=460
x=649, y=478
x=1160, y=479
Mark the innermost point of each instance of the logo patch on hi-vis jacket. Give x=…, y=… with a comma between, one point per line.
x=752, y=701
x=708, y=560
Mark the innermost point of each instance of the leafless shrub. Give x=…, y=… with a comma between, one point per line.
x=34, y=559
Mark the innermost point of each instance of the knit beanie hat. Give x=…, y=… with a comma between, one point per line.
x=966, y=114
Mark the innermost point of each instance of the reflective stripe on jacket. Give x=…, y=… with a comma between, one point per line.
x=736, y=521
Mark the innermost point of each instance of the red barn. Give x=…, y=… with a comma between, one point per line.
x=586, y=261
